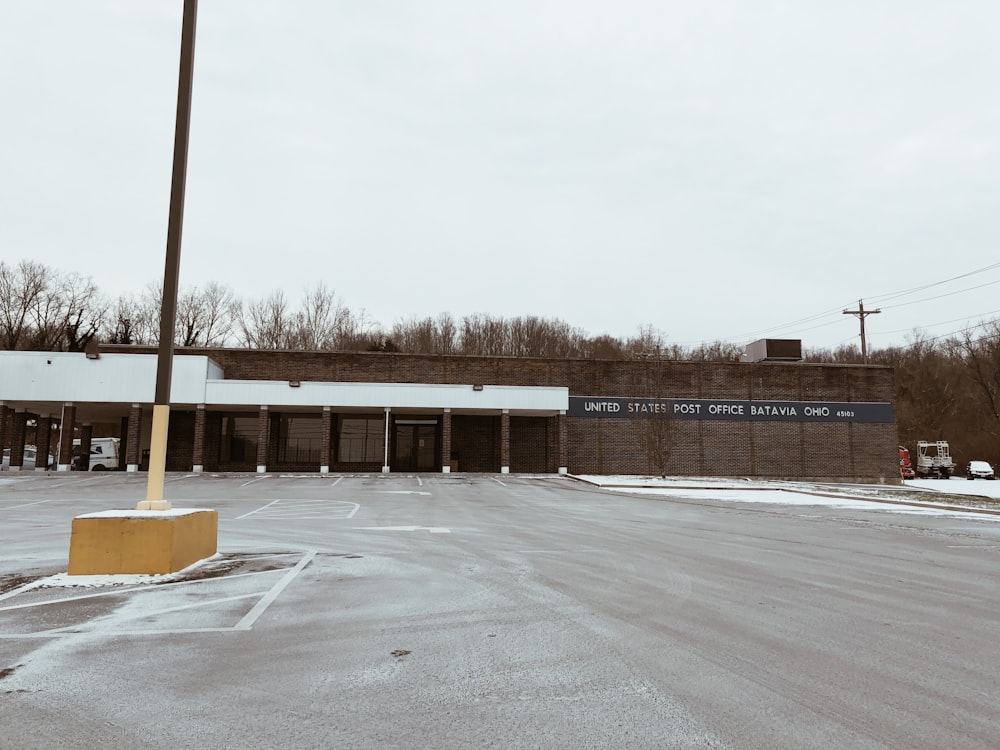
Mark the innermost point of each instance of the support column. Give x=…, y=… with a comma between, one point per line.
x=4, y=412
x=66, y=437
x=446, y=442
x=385, y=460
x=133, y=449
x=43, y=441
x=263, y=425
x=505, y=441
x=123, y=443
x=324, y=443
x=20, y=427
x=198, y=450
x=561, y=447
x=86, y=436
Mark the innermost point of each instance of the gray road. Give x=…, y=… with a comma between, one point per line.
x=502, y=612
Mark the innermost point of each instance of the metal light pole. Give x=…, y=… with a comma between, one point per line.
x=168, y=310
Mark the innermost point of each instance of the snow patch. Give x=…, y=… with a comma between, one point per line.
x=846, y=496
x=172, y=513
x=64, y=580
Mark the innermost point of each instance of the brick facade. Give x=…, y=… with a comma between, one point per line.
x=794, y=450
x=66, y=436
x=18, y=436
x=4, y=419
x=132, y=438
x=43, y=441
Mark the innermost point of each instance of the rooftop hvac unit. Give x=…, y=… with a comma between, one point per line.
x=773, y=350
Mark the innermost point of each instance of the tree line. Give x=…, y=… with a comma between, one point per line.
x=946, y=388
x=44, y=309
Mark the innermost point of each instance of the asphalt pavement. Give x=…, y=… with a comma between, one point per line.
x=482, y=611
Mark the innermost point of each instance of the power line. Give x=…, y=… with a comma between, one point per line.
x=940, y=296
x=914, y=290
x=885, y=297
x=946, y=322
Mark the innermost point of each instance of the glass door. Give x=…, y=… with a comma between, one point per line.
x=415, y=445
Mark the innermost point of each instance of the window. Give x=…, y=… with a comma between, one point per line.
x=239, y=438
x=361, y=440
x=300, y=438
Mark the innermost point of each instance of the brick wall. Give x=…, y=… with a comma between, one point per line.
x=476, y=440
x=529, y=445
x=864, y=452
x=180, y=440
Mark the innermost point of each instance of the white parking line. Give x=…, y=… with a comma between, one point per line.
x=27, y=505
x=295, y=508
x=71, y=629
x=238, y=518
x=115, y=590
x=251, y=617
x=75, y=482
x=431, y=529
x=246, y=623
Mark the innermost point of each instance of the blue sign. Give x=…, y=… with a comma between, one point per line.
x=615, y=407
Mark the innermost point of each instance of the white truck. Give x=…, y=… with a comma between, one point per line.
x=934, y=460
x=104, y=454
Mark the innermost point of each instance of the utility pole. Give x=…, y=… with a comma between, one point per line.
x=168, y=308
x=862, y=313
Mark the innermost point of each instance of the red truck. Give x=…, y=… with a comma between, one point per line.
x=905, y=467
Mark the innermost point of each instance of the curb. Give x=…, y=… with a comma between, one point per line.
x=884, y=501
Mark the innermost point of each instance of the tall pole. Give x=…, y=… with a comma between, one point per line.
x=168, y=310
x=862, y=314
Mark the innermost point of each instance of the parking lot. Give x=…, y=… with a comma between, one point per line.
x=454, y=611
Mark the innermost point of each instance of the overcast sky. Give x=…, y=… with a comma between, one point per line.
x=720, y=170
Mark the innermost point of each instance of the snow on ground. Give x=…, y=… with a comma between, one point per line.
x=958, y=486
x=64, y=580
x=948, y=496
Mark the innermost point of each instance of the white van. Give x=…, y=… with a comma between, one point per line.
x=104, y=453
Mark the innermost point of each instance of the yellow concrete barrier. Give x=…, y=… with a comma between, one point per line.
x=141, y=541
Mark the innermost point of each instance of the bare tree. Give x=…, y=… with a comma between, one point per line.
x=427, y=335
x=447, y=334
x=150, y=308
x=136, y=317
x=981, y=358
x=206, y=317
x=531, y=336
x=356, y=332
x=716, y=351
x=43, y=310
x=485, y=335
x=415, y=336
x=84, y=310
x=266, y=323
x=845, y=354
x=319, y=322
x=603, y=347
x=928, y=385
x=221, y=312
x=120, y=325
x=23, y=291
x=649, y=343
